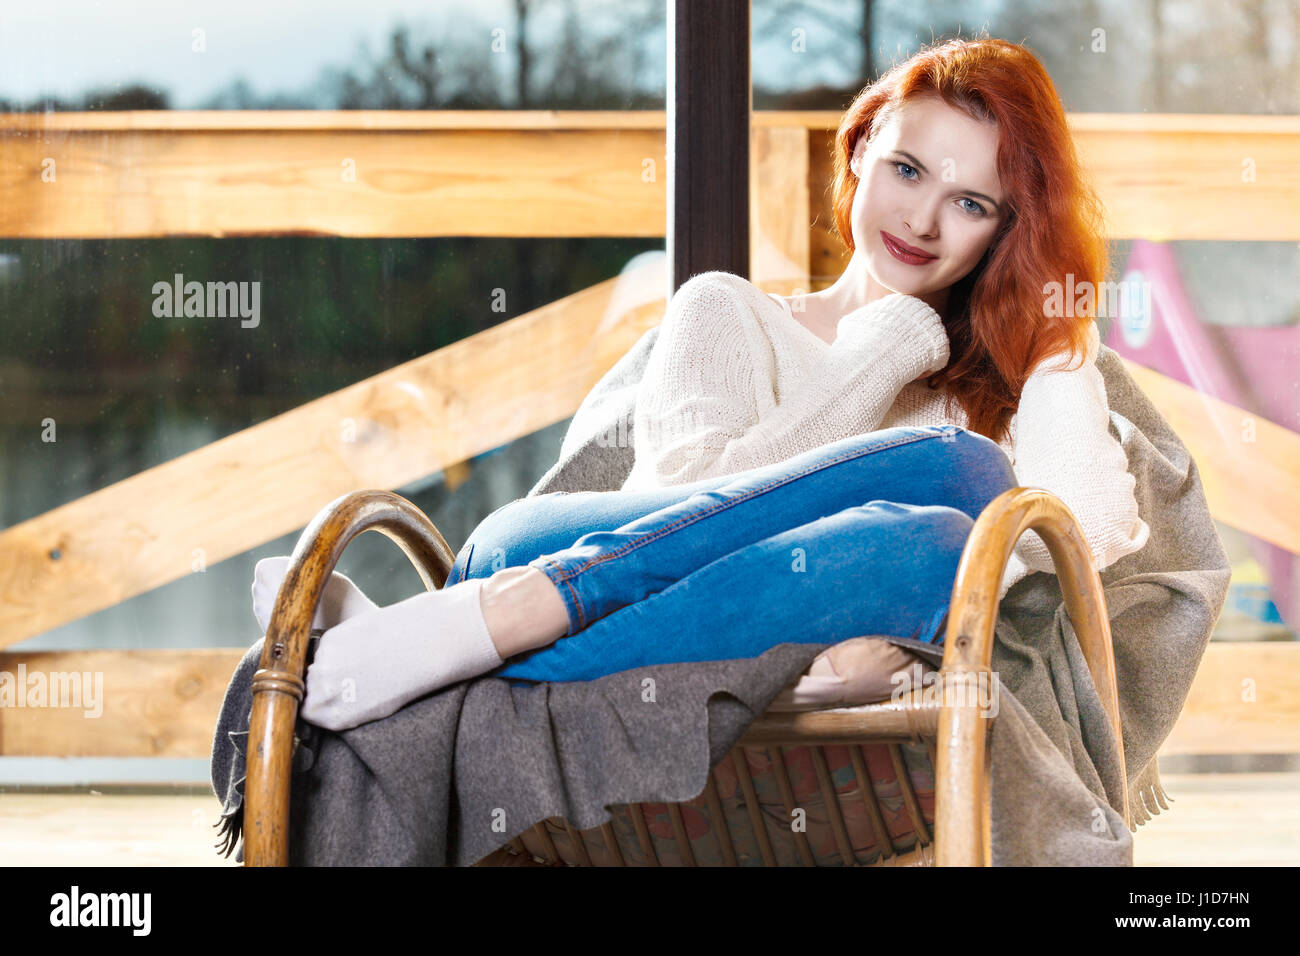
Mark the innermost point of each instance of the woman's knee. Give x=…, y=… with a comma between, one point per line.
x=946, y=528
x=937, y=521
x=954, y=463
x=966, y=471
x=499, y=540
x=977, y=456
x=921, y=532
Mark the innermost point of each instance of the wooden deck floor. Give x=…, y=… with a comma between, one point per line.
x=1248, y=819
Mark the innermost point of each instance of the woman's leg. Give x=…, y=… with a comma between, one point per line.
x=879, y=568
x=612, y=565
x=709, y=550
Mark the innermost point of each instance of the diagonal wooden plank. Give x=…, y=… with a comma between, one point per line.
x=1249, y=466
x=269, y=480
x=416, y=418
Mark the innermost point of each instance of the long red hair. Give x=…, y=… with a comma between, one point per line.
x=997, y=324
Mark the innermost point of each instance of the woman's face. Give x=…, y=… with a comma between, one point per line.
x=929, y=179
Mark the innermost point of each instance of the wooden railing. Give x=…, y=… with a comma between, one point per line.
x=164, y=703
x=514, y=174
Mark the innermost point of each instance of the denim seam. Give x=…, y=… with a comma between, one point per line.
x=566, y=575
x=464, y=568
x=559, y=579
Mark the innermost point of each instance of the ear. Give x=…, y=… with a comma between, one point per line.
x=855, y=163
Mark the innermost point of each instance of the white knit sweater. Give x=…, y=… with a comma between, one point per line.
x=735, y=381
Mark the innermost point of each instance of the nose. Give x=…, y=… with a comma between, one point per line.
x=919, y=234
x=923, y=222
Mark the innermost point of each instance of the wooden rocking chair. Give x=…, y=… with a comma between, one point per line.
x=951, y=723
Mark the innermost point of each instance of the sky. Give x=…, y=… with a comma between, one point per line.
x=65, y=47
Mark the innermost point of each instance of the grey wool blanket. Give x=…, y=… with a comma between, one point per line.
x=454, y=775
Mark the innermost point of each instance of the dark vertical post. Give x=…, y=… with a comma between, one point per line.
x=709, y=99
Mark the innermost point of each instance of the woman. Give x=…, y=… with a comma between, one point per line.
x=807, y=469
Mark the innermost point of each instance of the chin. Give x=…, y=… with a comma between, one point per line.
x=901, y=287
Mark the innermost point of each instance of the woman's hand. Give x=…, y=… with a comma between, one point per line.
x=910, y=312
x=341, y=600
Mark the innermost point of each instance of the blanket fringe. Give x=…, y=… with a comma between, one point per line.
x=230, y=830
x=1147, y=796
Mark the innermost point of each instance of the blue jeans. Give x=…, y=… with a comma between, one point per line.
x=861, y=536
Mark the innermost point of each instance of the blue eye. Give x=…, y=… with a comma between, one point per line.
x=898, y=169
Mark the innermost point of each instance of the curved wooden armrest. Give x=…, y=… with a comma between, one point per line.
x=278, y=684
x=968, y=654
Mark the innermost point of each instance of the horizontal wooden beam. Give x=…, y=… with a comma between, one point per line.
x=123, y=703
x=1245, y=699
x=387, y=431
x=1244, y=176
x=332, y=182
x=544, y=173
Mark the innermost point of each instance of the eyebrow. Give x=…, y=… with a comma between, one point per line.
x=917, y=163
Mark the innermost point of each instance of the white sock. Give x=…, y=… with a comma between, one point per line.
x=371, y=664
x=341, y=599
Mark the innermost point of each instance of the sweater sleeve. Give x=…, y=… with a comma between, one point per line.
x=697, y=414
x=1064, y=445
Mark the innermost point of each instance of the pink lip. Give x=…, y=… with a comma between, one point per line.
x=903, y=252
